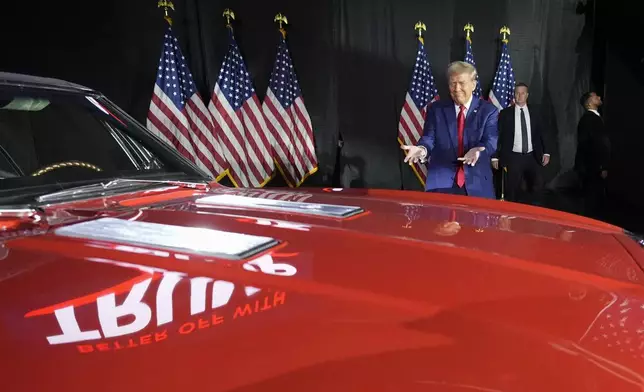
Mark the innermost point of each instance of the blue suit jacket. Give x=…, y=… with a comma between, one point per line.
x=440, y=137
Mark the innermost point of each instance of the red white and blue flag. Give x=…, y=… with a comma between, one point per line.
x=178, y=115
x=236, y=111
x=421, y=93
x=502, y=94
x=289, y=121
x=469, y=58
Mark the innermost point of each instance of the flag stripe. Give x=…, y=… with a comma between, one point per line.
x=416, y=115
x=163, y=124
x=495, y=101
x=237, y=115
x=176, y=120
x=407, y=128
x=289, y=161
x=282, y=153
x=235, y=133
x=296, y=130
x=421, y=92
x=307, y=135
x=232, y=148
x=157, y=128
x=204, y=152
x=171, y=120
x=412, y=117
x=253, y=148
x=178, y=115
x=411, y=138
x=301, y=160
x=260, y=141
x=288, y=120
x=233, y=139
x=200, y=115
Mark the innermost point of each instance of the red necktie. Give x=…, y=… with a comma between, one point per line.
x=460, y=173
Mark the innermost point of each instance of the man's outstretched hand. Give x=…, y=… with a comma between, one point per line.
x=472, y=156
x=413, y=154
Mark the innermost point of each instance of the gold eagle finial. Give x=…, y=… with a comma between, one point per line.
x=505, y=31
x=166, y=4
x=420, y=27
x=228, y=14
x=468, y=28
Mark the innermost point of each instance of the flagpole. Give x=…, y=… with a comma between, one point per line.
x=505, y=32
x=503, y=183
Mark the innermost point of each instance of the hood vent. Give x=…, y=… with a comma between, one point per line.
x=323, y=210
x=191, y=240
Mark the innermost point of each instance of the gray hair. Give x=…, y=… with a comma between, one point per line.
x=461, y=67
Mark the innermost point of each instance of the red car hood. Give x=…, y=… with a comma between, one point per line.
x=149, y=292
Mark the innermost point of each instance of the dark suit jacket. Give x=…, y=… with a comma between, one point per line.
x=507, y=131
x=593, y=146
x=440, y=137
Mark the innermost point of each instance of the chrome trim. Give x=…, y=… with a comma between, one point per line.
x=317, y=209
x=18, y=211
x=117, y=137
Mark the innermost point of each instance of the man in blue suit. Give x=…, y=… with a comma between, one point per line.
x=459, y=138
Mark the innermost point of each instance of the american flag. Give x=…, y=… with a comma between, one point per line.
x=422, y=91
x=618, y=330
x=178, y=115
x=235, y=108
x=502, y=94
x=289, y=121
x=469, y=58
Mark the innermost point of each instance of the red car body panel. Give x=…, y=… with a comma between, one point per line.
x=399, y=297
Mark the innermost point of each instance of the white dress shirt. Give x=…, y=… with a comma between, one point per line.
x=518, y=137
x=594, y=111
x=467, y=105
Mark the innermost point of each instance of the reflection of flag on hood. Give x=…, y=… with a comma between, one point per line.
x=430, y=215
x=618, y=330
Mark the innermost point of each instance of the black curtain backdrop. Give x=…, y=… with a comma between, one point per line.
x=623, y=98
x=353, y=58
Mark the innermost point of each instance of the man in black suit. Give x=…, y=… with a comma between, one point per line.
x=521, y=146
x=593, y=154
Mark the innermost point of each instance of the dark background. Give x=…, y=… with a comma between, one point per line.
x=354, y=60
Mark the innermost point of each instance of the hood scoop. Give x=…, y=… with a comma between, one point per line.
x=190, y=240
x=335, y=211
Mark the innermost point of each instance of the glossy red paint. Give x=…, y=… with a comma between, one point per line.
x=423, y=292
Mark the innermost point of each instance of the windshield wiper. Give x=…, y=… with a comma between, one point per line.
x=116, y=185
